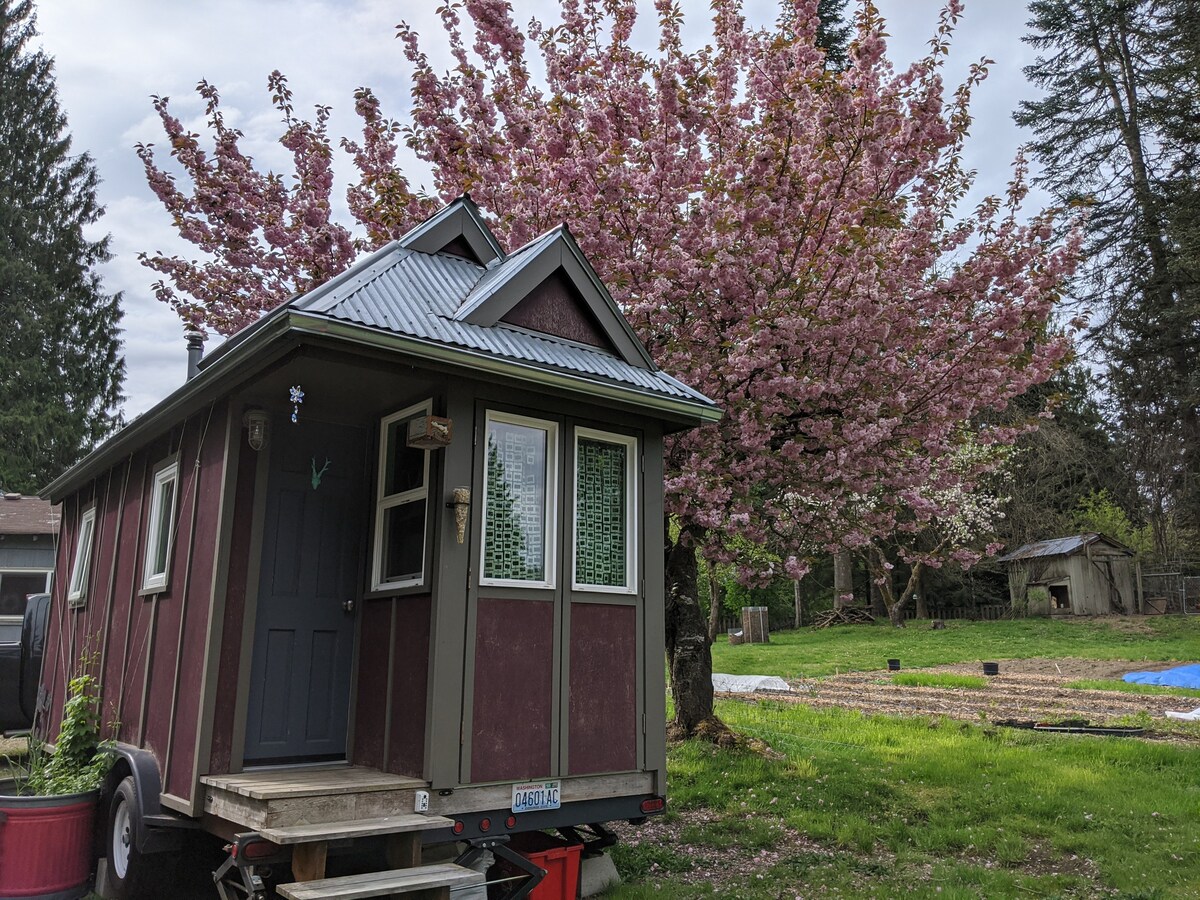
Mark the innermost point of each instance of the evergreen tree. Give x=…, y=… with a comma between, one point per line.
x=1116, y=132
x=60, y=368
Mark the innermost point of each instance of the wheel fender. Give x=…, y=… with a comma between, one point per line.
x=142, y=765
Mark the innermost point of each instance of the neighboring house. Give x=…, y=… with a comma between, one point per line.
x=408, y=524
x=1083, y=575
x=28, y=535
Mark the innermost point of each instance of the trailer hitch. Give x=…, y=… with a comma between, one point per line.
x=499, y=847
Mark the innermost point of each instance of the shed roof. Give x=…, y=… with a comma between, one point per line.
x=1064, y=546
x=27, y=515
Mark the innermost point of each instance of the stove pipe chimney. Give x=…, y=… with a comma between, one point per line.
x=195, y=350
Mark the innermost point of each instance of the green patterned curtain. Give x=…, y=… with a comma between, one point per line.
x=514, y=533
x=601, y=544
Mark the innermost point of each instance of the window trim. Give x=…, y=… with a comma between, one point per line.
x=550, y=541
x=631, y=511
x=16, y=618
x=385, y=502
x=77, y=585
x=156, y=582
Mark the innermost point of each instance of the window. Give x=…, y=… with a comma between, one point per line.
x=83, y=558
x=519, y=501
x=161, y=532
x=605, y=478
x=15, y=586
x=400, y=511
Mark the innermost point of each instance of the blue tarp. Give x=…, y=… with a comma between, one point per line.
x=1181, y=676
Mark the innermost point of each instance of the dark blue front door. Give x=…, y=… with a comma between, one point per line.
x=303, y=630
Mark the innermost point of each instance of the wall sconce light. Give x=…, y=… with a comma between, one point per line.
x=430, y=432
x=256, y=422
x=461, y=504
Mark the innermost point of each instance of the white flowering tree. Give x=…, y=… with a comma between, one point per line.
x=951, y=520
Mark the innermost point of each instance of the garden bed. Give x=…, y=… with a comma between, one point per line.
x=1025, y=689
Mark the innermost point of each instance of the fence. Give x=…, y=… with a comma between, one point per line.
x=1170, y=592
x=992, y=612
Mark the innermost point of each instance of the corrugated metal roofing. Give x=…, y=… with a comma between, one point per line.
x=419, y=294
x=1063, y=546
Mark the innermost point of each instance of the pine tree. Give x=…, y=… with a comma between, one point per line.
x=60, y=367
x=1116, y=132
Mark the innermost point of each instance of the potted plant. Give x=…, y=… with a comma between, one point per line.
x=47, y=812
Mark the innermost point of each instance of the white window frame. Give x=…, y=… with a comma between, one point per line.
x=384, y=503
x=151, y=580
x=631, y=510
x=17, y=570
x=550, y=542
x=80, y=568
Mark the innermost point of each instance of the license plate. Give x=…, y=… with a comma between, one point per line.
x=536, y=795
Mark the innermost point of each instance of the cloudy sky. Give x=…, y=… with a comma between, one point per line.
x=112, y=56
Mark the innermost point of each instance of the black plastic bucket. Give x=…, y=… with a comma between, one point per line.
x=991, y=668
x=893, y=665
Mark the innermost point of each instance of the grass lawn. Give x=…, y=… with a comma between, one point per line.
x=855, y=805
x=807, y=653
x=860, y=806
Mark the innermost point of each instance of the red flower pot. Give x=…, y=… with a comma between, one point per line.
x=46, y=850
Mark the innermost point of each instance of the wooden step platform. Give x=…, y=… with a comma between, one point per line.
x=335, y=831
x=381, y=884
x=310, y=795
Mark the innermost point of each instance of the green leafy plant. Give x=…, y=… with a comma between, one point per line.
x=80, y=759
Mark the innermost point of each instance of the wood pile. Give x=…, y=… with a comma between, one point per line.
x=850, y=615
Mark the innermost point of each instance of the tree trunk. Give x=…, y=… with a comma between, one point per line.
x=689, y=655
x=922, y=600
x=878, y=599
x=843, y=579
x=714, y=601
x=798, y=596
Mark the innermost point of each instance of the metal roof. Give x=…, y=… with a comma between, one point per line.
x=1064, y=546
x=421, y=294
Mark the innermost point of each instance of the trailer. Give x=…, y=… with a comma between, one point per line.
x=383, y=573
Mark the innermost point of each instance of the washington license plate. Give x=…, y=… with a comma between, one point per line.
x=536, y=795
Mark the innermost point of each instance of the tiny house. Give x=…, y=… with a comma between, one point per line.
x=388, y=565
x=1081, y=575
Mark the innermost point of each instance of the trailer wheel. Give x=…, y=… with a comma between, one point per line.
x=126, y=866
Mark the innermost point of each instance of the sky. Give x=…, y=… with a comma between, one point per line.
x=111, y=57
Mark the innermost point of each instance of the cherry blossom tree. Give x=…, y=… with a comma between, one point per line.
x=786, y=236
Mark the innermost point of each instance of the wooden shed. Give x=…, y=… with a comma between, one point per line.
x=395, y=548
x=1081, y=575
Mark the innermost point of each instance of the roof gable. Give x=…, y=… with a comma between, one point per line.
x=554, y=307
x=554, y=254
x=1065, y=546
x=457, y=229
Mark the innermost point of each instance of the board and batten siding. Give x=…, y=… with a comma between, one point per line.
x=149, y=647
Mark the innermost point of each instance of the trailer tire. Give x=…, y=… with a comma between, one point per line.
x=127, y=866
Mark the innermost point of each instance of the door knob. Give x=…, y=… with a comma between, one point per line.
x=348, y=605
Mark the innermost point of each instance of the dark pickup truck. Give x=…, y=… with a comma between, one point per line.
x=21, y=663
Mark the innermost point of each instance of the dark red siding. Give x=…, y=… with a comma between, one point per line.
x=555, y=307
x=126, y=632
x=371, y=705
x=514, y=690
x=603, y=699
x=410, y=681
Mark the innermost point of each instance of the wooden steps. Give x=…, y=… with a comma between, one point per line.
x=445, y=876
x=335, y=831
x=283, y=798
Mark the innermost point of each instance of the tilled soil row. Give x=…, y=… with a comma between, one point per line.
x=1022, y=697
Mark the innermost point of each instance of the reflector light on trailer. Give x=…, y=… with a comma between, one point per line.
x=259, y=850
x=458, y=827
x=485, y=824
x=511, y=822
x=653, y=804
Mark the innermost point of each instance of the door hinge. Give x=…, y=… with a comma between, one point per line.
x=643, y=723
x=475, y=436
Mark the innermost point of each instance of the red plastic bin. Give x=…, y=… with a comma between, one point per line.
x=557, y=857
